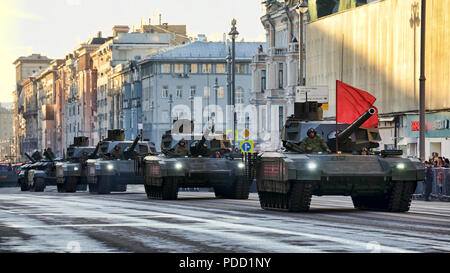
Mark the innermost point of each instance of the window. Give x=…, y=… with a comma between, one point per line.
x=221, y=92
x=165, y=116
x=263, y=80
x=179, y=91
x=193, y=90
x=239, y=95
x=165, y=68
x=165, y=92
x=206, y=68
x=220, y=68
x=179, y=68
x=240, y=68
x=207, y=92
x=194, y=68
x=280, y=75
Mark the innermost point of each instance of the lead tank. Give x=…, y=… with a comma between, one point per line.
x=287, y=180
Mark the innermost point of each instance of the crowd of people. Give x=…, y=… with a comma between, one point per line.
x=434, y=162
x=437, y=161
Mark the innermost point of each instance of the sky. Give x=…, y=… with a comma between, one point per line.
x=55, y=27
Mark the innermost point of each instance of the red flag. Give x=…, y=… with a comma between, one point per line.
x=351, y=103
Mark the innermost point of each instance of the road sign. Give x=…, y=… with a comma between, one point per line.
x=247, y=146
x=312, y=93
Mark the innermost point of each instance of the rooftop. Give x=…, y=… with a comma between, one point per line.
x=208, y=50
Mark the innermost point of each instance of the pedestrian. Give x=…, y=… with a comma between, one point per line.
x=260, y=49
x=428, y=180
x=446, y=163
x=364, y=151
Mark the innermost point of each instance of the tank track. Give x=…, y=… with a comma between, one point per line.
x=168, y=190
x=240, y=189
x=398, y=199
x=298, y=199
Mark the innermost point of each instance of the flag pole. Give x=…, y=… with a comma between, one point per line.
x=336, y=136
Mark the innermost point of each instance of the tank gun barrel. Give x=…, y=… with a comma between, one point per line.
x=30, y=158
x=356, y=124
x=135, y=142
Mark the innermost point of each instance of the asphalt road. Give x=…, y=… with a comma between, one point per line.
x=198, y=222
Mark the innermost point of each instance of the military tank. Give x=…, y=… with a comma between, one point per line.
x=287, y=179
x=110, y=173
x=39, y=174
x=72, y=174
x=210, y=162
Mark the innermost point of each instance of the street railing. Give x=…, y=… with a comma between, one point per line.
x=440, y=184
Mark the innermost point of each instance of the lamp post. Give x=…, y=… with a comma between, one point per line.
x=302, y=8
x=233, y=33
x=191, y=98
x=170, y=110
x=422, y=83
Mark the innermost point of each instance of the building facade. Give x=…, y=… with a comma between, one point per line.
x=6, y=133
x=26, y=67
x=192, y=76
x=121, y=48
x=382, y=57
x=275, y=71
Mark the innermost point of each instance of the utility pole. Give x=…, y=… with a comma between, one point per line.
x=422, y=83
x=233, y=33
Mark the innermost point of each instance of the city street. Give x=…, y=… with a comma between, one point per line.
x=129, y=222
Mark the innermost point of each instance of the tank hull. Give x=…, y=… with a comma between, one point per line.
x=280, y=175
x=225, y=175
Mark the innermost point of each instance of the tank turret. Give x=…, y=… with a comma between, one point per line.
x=309, y=115
x=81, y=141
x=116, y=135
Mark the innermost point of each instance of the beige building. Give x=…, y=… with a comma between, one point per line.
x=275, y=71
x=376, y=48
x=6, y=133
x=25, y=68
x=46, y=100
x=121, y=48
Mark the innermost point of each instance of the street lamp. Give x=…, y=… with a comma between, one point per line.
x=170, y=110
x=229, y=60
x=233, y=33
x=302, y=8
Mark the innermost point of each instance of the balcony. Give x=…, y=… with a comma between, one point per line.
x=293, y=47
x=259, y=58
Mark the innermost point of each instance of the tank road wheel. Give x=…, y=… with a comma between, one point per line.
x=398, y=199
x=103, y=185
x=70, y=184
x=169, y=189
x=92, y=188
x=38, y=185
x=24, y=185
